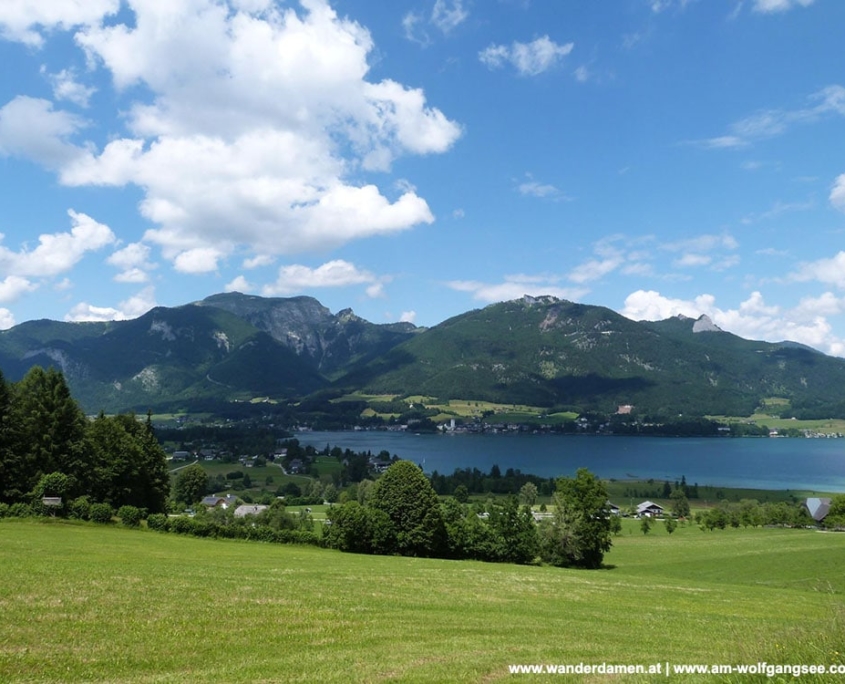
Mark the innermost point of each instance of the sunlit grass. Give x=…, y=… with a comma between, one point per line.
x=82, y=603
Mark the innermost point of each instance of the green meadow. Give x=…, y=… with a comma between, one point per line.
x=85, y=603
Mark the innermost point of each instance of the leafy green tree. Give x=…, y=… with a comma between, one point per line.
x=191, y=484
x=515, y=532
x=405, y=494
x=330, y=493
x=645, y=524
x=528, y=494
x=671, y=525
x=127, y=466
x=579, y=533
x=461, y=494
x=680, y=503
x=616, y=524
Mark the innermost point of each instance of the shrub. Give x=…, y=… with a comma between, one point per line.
x=80, y=508
x=129, y=516
x=157, y=521
x=101, y=513
x=181, y=525
x=20, y=510
x=4, y=510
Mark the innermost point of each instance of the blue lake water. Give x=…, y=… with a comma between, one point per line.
x=760, y=463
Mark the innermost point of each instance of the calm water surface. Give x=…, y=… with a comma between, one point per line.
x=760, y=463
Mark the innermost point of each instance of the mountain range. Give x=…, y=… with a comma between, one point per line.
x=540, y=351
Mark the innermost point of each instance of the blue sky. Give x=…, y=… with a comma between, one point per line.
x=416, y=159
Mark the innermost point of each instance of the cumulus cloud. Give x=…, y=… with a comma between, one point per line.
x=753, y=319
x=135, y=306
x=516, y=286
x=837, y=193
x=257, y=118
x=31, y=128
x=25, y=21
x=57, y=252
x=338, y=273
x=133, y=262
x=7, y=319
x=529, y=59
x=828, y=271
x=66, y=87
x=408, y=317
x=12, y=287
x=239, y=284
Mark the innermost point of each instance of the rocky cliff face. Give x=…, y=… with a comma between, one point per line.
x=329, y=341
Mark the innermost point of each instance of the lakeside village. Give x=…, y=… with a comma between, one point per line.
x=418, y=418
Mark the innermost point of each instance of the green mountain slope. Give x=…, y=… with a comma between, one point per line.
x=538, y=351
x=557, y=353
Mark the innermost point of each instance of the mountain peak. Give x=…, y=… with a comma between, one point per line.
x=705, y=324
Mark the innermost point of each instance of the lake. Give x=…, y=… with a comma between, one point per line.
x=758, y=463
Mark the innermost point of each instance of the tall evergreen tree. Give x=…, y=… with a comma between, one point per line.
x=47, y=432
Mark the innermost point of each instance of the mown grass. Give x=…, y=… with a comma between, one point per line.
x=81, y=603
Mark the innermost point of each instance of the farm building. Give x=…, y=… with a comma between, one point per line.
x=649, y=509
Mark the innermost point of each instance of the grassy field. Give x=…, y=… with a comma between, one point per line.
x=81, y=603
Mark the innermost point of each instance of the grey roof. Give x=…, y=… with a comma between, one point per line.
x=645, y=505
x=249, y=509
x=818, y=507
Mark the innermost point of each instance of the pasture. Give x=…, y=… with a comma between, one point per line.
x=85, y=603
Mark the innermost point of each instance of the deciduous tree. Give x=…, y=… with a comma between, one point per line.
x=405, y=494
x=579, y=533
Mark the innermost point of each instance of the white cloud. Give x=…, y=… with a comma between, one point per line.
x=715, y=251
x=25, y=20
x=258, y=261
x=829, y=101
x=828, y=271
x=135, y=306
x=239, y=284
x=197, y=260
x=529, y=59
x=66, y=87
x=258, y=118
x=448, y=15
x=837, y=193
x=31, y=128
x=58, y=252
x=413, y=26
x=516, y=286
x=12, y=287
x=753, y=319
x=533, y=188
x=770, y=6
x=338, y=273
x=408, y=317
x=133, y=262
x=7, y=319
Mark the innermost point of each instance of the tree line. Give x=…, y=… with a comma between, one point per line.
x=402, y=514
x=49, y=448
